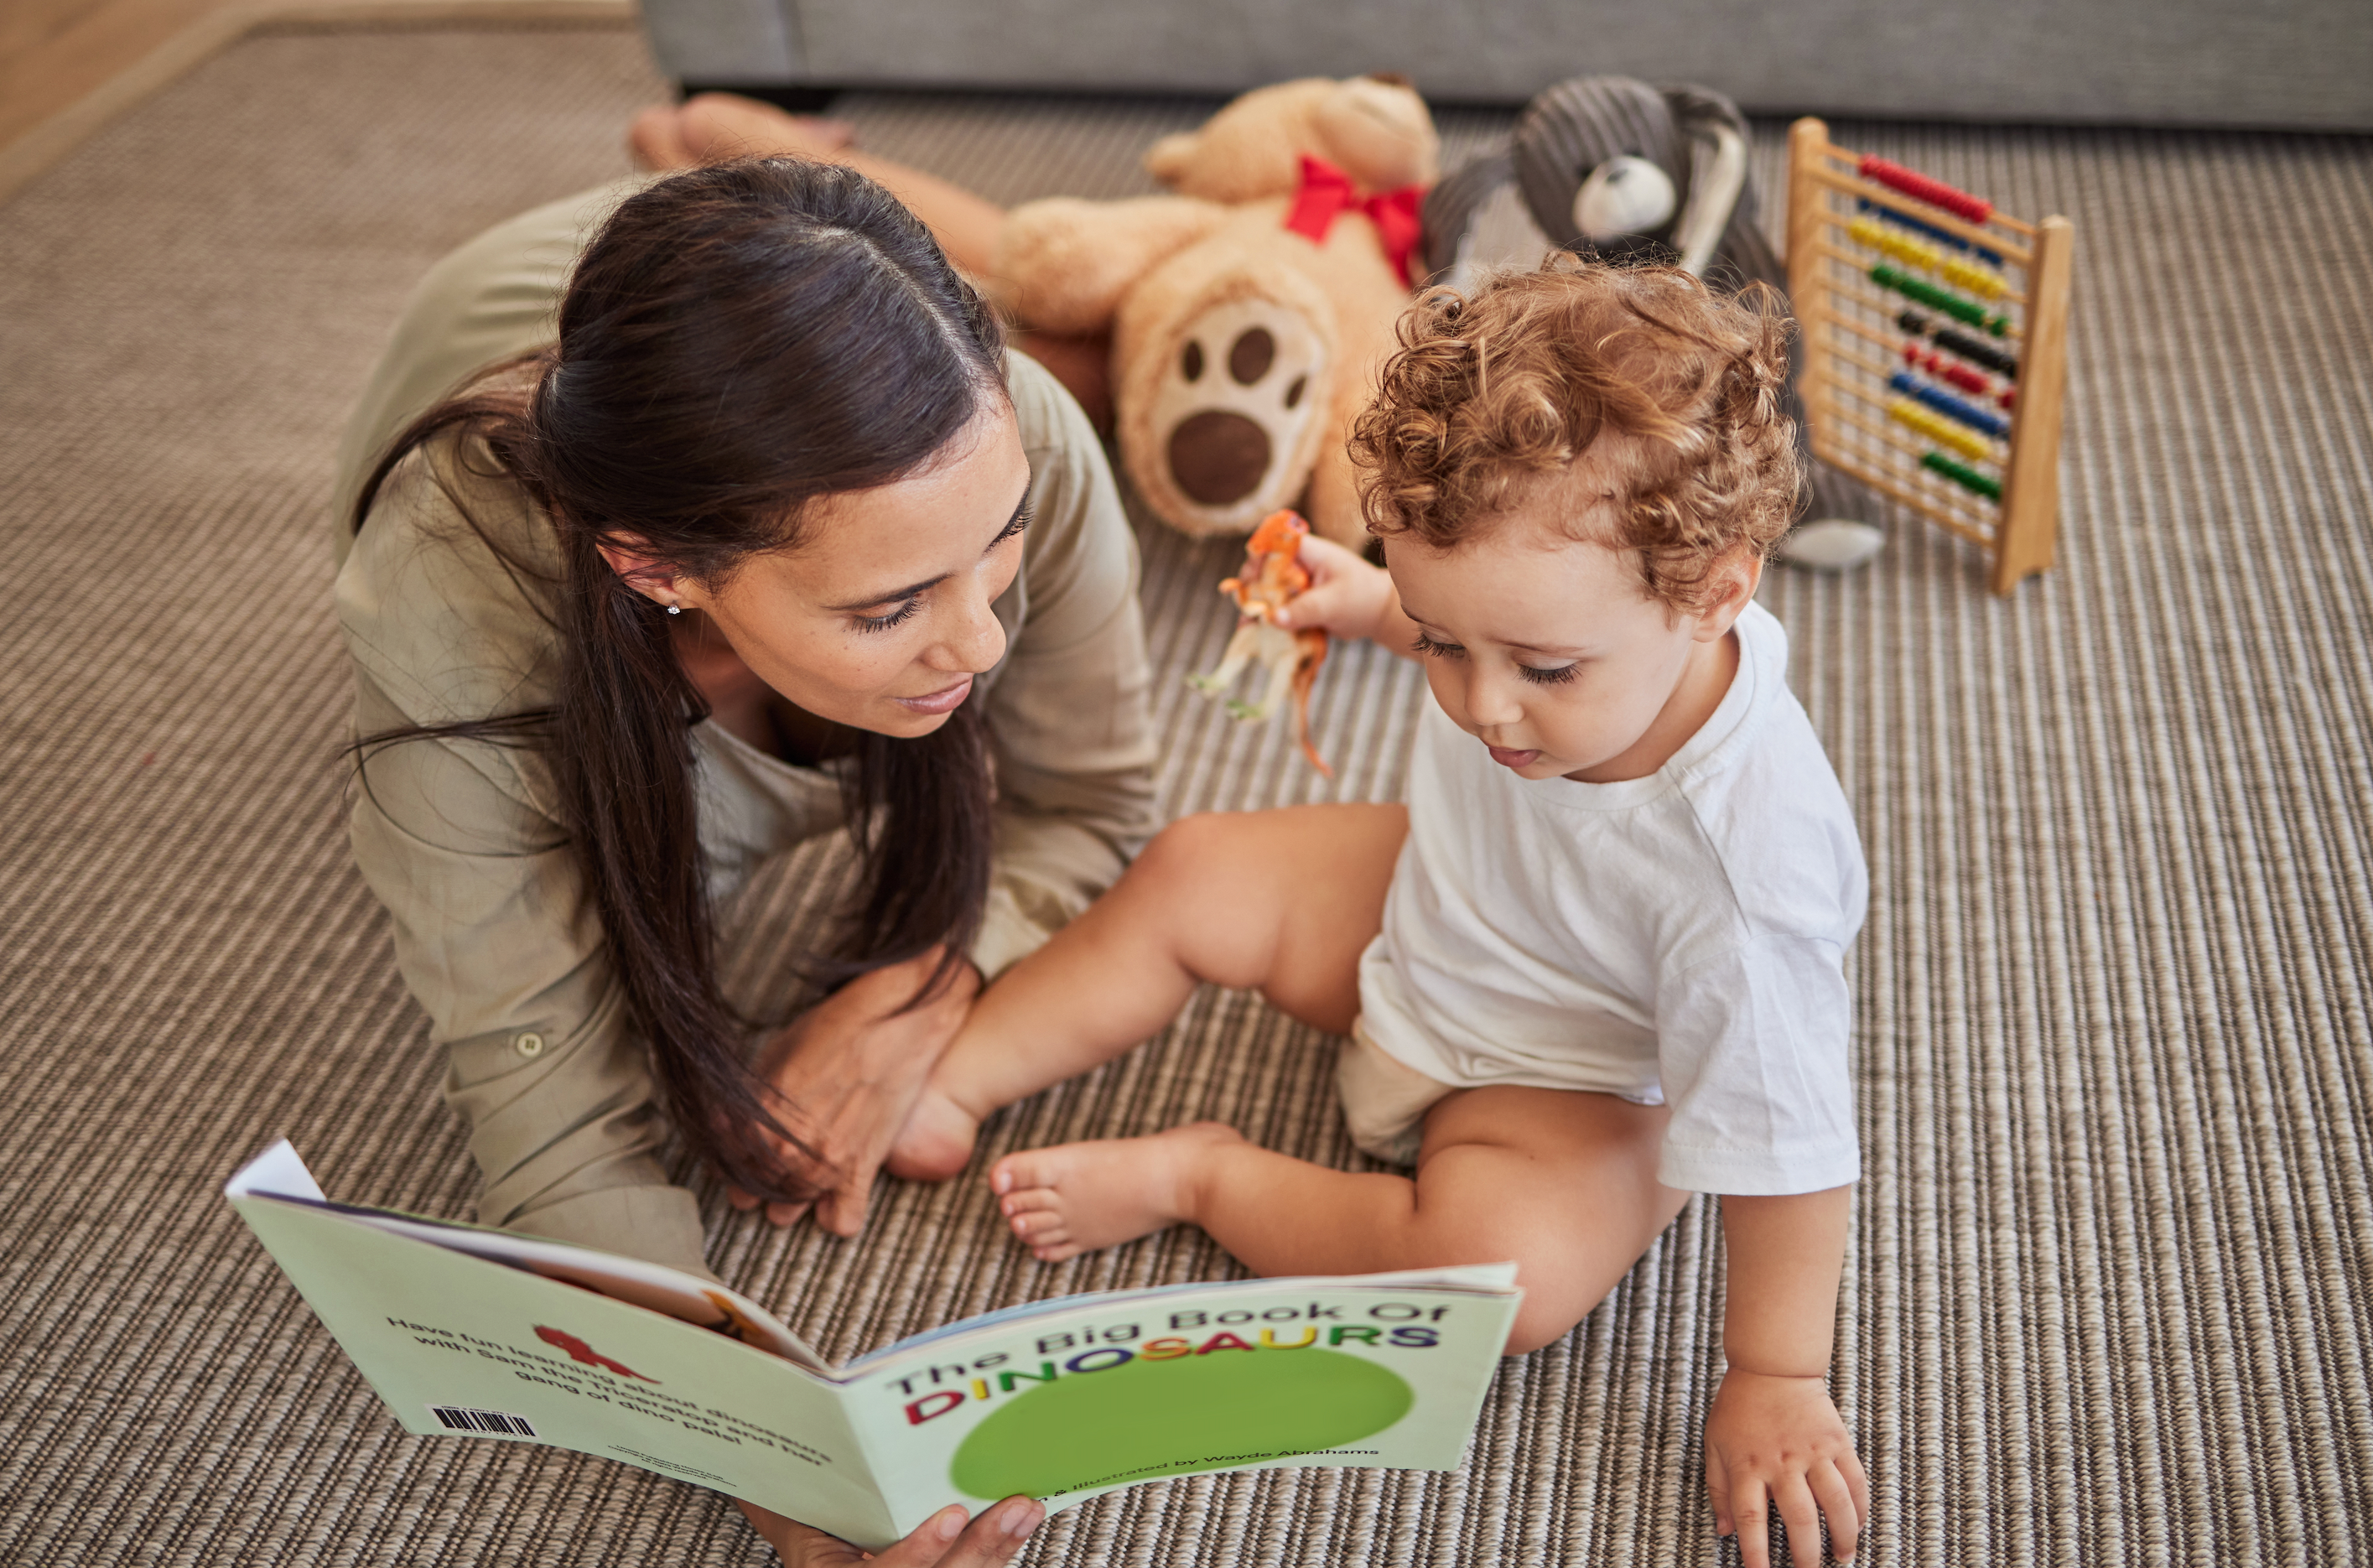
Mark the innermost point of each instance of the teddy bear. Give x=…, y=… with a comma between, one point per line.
x=1250, y=307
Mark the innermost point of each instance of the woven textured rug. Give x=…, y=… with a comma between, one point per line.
x=2104, y=1303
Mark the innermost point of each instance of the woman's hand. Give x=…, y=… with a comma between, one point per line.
x=1772, y=1439
x=943, y=1540
x=1350, y=598
x=850, y=1069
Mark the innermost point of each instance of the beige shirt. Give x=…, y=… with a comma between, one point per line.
x=462, y=841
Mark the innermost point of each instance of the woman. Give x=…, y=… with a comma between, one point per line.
x=774, y=537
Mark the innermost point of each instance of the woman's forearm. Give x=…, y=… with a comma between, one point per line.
x=1785, y=1257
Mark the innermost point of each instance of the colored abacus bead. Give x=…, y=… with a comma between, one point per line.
x=1968, y=347
x=1935, y=298
x=1978, y=352
x=1961, y=474
x=1936, y=427
x=1948, y=405
x=1919, y=187
x=1976, y=280
x=1862, y=230
x=1943, y=236
x=1961, y=376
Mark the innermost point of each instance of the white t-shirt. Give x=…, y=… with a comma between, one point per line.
x=1679, y=938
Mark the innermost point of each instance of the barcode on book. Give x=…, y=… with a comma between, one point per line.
x=458, y=1418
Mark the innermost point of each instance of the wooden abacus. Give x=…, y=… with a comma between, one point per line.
x=1935, y=339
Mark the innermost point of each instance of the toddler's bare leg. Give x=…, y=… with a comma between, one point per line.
x=1281, y=902
x=1563, y=1182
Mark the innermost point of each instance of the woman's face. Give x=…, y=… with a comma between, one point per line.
x=881, y=619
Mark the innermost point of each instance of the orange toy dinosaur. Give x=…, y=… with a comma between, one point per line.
x=1272, y=577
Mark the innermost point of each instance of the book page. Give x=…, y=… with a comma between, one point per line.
x=279, y=1173
x=1082, y=1397
x=464, y=1346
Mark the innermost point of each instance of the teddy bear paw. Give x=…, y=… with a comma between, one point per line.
x=1233, y=412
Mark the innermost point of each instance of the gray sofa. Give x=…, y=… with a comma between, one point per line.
x=2304, y=65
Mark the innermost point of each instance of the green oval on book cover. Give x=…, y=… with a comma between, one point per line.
x=1148, y=1418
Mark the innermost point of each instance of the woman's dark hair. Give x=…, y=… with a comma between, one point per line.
x=735, y=343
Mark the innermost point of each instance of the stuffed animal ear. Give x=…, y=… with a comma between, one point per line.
x=1698, y=110
x=1448, y=218
x=1718, y=227
x=1065, y=264
x=1717, y=180
x=1167, y=160
x=1379, y=132
x=1250, y=150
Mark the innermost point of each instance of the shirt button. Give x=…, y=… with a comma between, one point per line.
x=529, y=1044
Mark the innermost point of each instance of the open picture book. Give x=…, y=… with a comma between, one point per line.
x=471, y=1332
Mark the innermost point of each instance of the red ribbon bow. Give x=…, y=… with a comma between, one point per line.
x=1326, y=190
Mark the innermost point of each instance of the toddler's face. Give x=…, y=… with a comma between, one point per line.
x=1550, y=652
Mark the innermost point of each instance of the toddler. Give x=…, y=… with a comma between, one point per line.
x=1595, y=964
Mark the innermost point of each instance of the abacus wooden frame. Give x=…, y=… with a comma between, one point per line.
x=2019, y=531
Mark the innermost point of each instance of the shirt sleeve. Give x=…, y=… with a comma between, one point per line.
x=497, y=297
x=1069, y=709
x=1752, y=1050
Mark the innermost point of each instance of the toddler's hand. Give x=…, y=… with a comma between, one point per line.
x=1346, y=596
x=1779, y=1440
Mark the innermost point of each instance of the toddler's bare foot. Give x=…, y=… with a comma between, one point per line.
x=719, y=125
x=935, y=1143
x=715, y=127
x=655, y=139
x=1076, y=1197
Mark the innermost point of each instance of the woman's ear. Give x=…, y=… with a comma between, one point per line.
x=653, y=579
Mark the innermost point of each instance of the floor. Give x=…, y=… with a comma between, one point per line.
x=53, y=51
x=65, y=65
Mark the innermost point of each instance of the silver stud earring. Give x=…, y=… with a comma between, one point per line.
x=675, y=609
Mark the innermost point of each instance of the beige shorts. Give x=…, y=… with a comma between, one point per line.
x=1384, y=1099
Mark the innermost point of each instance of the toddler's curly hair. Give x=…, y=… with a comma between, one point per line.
x=1493, y=394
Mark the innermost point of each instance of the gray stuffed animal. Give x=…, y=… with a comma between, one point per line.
x=1612, y=166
